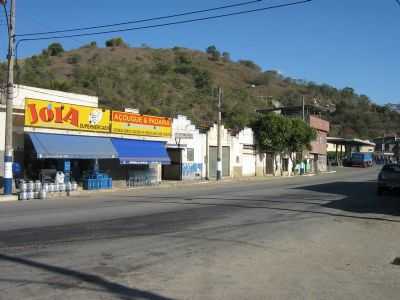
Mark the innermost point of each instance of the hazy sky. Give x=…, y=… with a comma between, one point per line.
x=340, y=42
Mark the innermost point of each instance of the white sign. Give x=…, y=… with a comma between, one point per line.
x=184, y=135
x=8, y=170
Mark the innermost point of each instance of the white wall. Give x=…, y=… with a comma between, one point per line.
x=227, y=140
x=21, y=92
x=191, y=169
x=248, y=156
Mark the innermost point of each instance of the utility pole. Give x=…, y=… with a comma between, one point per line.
x=8, y=155
x=219, y=155
x=303, y=108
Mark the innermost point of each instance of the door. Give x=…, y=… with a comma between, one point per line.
x=174, y=170
x=249, y=164
x=226, y=162
x=269, y=164
x=212, y=163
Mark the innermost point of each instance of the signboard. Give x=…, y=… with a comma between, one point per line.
x=184, y=135
x=48, y=114
x=142, y=125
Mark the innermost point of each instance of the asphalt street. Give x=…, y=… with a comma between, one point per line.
x=321, y=237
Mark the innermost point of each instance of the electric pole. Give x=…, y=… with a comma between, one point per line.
x=302, y=107
x=219, y=155
x=8, y=155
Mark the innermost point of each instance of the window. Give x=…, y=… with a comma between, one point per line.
x=190, y=154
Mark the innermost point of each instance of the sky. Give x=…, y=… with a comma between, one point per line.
x=344, y=43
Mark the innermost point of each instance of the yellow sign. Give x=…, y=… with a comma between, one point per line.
x=142, y=125
x=48, y=114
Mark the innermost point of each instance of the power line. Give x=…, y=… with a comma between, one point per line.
x=398, y=2
x=143, y=20
x=167, y=24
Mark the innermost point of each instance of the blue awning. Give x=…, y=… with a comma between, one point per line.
x=72, y=146
x=140, y=152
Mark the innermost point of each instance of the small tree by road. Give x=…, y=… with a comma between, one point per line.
x=282, y=136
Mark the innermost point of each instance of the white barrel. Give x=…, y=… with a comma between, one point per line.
x=38, y=186
x=23, y=186
x=36, y=195
x=30, y=186
x=74, y=186
x=30, y=195
x=43, y=194
x=68, y=186
x=23, y=195
x=45, y=187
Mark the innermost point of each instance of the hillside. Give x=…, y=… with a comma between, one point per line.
x=181, y=81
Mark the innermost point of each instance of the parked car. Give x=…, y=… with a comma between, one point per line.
x=388, y=178
x=361, y=159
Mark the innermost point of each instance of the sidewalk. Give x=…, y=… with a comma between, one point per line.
x=165, y=184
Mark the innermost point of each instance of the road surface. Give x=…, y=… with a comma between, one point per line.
x=321, y=237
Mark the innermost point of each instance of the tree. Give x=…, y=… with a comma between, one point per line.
x=284, y=136
x=55, y=49
x=272, y=134
x=300, y=137
x=226, y=56
x=250, y=64
x=116, y=42
x=213, y=52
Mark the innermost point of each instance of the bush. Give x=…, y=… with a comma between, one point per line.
x=226, y=57
x=182, y=58
x=74, y=59
x=250, y=64
x=116, y=42
x=54, y=49
x=213, y=52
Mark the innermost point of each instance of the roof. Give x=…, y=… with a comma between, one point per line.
x=354, y=141
x=313, y=109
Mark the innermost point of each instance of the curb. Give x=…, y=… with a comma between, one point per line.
x=81, y=193
x=8, y=198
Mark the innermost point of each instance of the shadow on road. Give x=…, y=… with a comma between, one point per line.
x=121, y=291
x=359, y=197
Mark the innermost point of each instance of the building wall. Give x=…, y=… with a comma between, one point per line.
x=192, y=148
x=247, y=152
x=318, y=123
x=21, y=92
x=319, y=145
x=227, y=140
x=367, y=149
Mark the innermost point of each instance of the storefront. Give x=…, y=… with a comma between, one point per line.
x=80, y=140
x=185, y=150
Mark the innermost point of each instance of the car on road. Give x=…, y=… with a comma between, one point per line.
x=359, y=159
x=388, y=178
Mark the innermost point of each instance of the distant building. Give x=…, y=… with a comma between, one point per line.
x=313, y=116
x=387, y=147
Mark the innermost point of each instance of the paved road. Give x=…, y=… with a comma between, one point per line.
x=322, y=237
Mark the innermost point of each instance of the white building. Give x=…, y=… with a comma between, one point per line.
x=186, y=151
x=21, y=92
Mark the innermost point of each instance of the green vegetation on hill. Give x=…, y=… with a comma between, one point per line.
x=182, y=81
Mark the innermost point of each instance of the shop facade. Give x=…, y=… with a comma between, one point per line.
x=185, y=150
x=80, y=140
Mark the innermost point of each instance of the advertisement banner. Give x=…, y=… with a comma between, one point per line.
x=141, y=125
x=48, y=114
